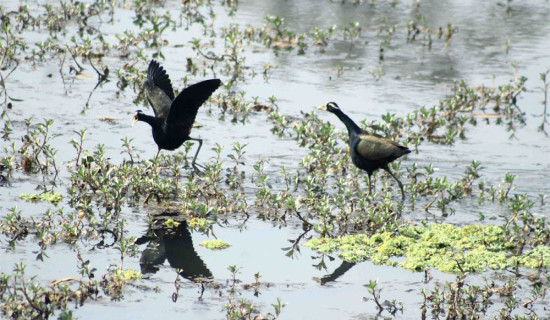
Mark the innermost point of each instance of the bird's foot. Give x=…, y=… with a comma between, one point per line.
x=197, y=170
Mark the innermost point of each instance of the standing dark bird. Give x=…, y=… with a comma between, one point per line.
x=369, y=151
x=174, y=117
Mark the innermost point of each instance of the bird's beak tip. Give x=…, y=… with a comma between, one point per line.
x=323, y=107
x=134, y=120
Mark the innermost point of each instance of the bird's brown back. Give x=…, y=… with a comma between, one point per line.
x=373, y=147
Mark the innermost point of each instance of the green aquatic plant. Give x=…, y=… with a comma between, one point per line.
x=200, y=223
x=446, y=122
x=234, y=270
x=11, y=48
x=24, y=297
x=245, y=309
x=116, y=279
x=51, y=197
x=37, y=154
x=374, y=289
x=445, y=247
x=215, y=244
x=466, y=298
x=351, y=33
x=170, y=224
x=127, y=275
x=321, y=37
x=545, y=86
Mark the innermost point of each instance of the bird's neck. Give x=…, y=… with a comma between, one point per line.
x=152, y=121
x=352, y=127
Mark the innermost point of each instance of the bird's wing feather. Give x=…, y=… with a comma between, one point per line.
x=186, y=105
x=158, y=88
x=374, y=148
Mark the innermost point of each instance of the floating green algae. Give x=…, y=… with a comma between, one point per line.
x=200, y=223
x=215, y=244
x=128, y=275
x=51, y=197
x=443, y=246
x=170, y=224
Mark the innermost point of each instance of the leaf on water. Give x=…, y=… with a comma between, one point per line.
x=15, y=99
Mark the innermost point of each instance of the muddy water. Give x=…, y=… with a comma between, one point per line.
x=412, y=76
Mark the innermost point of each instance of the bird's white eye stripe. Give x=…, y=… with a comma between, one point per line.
x=332, y=105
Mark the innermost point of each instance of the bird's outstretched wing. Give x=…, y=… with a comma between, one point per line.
x=158, y=88
x=377, y=148
x=186, y=105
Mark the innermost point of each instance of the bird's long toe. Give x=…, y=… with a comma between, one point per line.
x=197, y=170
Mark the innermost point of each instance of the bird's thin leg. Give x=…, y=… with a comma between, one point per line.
x=370, y=183
x=398, y=182
x=156, y=156
x=196, y=153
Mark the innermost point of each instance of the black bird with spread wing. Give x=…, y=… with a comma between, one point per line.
x=174, y=116
x=368, y=151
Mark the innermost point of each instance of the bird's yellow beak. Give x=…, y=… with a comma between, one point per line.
x=323, y=107
x=134, y=120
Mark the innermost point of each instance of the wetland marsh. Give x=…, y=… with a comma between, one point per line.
x=280, y=224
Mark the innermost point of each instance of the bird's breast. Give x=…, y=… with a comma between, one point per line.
x=183, y=131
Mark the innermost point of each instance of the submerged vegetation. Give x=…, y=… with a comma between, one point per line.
x=85, y=197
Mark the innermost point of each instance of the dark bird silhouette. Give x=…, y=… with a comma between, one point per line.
x=174, y=117
x=174, y=245
x=369, y=151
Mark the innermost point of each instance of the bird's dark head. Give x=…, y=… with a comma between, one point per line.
x=330, y=107
x=137, y=117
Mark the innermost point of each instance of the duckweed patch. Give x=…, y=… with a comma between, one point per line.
x=199, y=223
x=51, y=197
x=215, y=244
x=170, y=224
x=445, y=247
x=129, y=275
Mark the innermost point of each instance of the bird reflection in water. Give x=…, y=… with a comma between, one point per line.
x=338, y=272
x=294, y=250
x=173, y=244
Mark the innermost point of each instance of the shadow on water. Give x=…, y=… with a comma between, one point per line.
x=172, y=244
x=338, y=272
x=294, y=250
